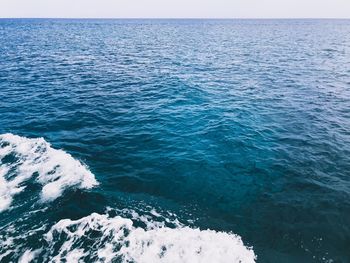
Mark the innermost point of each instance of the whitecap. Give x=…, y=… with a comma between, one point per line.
x=55, y=170
x=117, y=238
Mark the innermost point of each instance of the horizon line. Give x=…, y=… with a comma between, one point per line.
x=184, y=18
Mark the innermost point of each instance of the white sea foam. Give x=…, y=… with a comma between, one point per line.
x=28, y=256
x=112, y=238
x=132, y=237
x=55, y=169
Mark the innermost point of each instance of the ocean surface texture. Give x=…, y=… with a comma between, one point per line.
x=174, y=141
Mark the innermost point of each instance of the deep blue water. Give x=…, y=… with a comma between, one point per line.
x=239, y=126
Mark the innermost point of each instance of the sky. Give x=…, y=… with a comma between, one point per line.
x=175, y=8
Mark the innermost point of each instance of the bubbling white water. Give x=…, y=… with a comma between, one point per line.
x=55, y=170
x=99, y=238
x=113, y=238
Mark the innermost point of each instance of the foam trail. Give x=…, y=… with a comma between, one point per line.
x=116, y=238
x=55, y=170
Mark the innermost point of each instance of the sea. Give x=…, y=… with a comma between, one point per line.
x=174, y=140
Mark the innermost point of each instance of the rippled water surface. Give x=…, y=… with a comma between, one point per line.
x=154, y=131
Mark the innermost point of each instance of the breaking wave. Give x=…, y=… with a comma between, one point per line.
x=115, y=236
x=117, y=239
x=22, y=159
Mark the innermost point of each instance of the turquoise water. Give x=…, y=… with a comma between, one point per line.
x=176, y=126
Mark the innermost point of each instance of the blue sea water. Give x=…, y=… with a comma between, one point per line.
x=177, y=126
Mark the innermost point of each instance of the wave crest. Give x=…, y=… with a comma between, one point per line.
x=116, y=238
x=55, y=170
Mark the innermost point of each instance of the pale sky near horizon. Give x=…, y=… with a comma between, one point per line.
x=175, y=8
